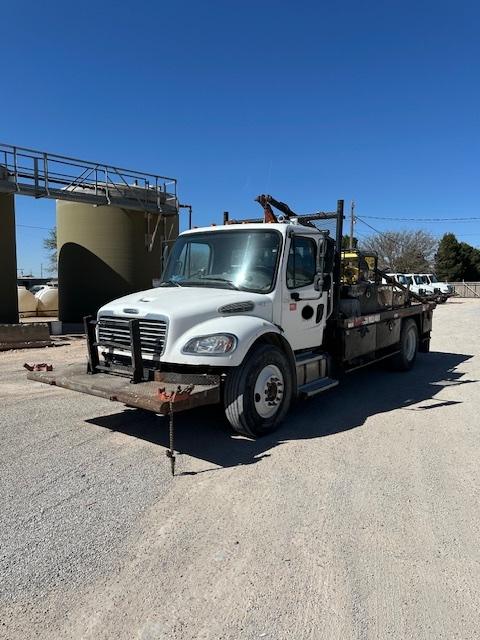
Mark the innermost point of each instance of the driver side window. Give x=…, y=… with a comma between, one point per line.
x=302, y=262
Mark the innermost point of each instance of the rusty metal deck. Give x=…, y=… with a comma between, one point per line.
x=143, y=395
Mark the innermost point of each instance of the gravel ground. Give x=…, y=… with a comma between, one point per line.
x=358, y=519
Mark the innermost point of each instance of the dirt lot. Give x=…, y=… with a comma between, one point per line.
x=359, y=519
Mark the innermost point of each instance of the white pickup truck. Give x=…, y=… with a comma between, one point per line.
x=426, y=284
x=250, y=315
x=440, y=290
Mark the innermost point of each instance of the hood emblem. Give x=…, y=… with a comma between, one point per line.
x=130, y=311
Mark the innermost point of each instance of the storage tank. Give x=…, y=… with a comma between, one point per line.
x=106, y=252
x=27, y=303
x=47, y=301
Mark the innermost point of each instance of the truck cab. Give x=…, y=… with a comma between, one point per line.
x=405, y=280
x=441, y=290
x=427, y=285
x=226, y=286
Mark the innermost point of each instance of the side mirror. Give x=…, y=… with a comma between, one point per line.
x=318, y=281
x=327, y=282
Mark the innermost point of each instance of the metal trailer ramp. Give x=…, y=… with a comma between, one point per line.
x=159, y=396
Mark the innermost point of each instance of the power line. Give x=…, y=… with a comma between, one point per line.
x=382, y=233
x=27, y=226
x=466, y=219
x=386, y=233
x=469, y=235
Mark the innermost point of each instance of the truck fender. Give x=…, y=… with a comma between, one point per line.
x=280, y=341
x=246, y=329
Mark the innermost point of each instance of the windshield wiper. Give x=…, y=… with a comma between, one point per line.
x=220, y=279
x=170, y=282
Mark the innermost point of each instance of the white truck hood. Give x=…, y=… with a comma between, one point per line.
x=194, y=311
x=190, y=305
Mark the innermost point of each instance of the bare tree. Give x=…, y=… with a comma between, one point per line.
x=403, y=251
x=50, y=244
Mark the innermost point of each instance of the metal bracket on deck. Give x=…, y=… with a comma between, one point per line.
x=42, y=366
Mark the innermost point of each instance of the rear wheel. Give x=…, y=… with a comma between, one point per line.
x=404, y=360
x=257, y=394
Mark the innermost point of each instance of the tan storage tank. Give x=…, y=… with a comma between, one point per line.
x=27, y=303
x=47, y=301
x=104, y=253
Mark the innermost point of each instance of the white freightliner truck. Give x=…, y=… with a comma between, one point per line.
x=252, y=315
x=441, y=291
x=425, y=285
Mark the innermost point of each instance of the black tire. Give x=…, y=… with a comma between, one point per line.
x=405, y=360
x=424, y=346
x=240, y=400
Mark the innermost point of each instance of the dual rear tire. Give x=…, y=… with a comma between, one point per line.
x=408, y=348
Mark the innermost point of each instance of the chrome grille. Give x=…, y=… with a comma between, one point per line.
x=153, y=334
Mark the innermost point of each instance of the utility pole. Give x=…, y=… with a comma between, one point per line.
x=41, y=270
x=352, y=222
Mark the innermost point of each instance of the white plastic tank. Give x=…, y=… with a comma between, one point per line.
x=47, y=301
x=27, y=303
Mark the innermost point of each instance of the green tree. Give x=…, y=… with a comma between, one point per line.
x=456, y=261
x=50, y=245
x=471, y=262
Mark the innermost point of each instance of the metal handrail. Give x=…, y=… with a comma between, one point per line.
x=42, y=174
x=8, y=148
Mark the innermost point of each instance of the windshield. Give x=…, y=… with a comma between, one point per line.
x=433, y=278
x=243, y=260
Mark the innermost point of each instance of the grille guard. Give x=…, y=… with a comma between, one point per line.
x=135, y=371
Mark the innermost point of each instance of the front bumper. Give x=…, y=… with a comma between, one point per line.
x=162, y=395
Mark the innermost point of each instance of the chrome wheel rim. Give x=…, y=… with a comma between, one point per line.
x=268, y=391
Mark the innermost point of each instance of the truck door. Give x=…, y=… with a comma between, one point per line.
x=304, y=309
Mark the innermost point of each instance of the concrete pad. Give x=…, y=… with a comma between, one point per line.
x=24, y=336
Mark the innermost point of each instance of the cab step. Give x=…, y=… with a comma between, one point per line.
x=310, y=367
x=316, y=386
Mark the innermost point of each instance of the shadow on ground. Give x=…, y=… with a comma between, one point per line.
x=203, y=434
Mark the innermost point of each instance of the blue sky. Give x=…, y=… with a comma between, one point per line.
x=310, y=101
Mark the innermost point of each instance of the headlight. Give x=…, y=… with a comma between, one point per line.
x=214, y=345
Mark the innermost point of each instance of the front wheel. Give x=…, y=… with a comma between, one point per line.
x=258, y=393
